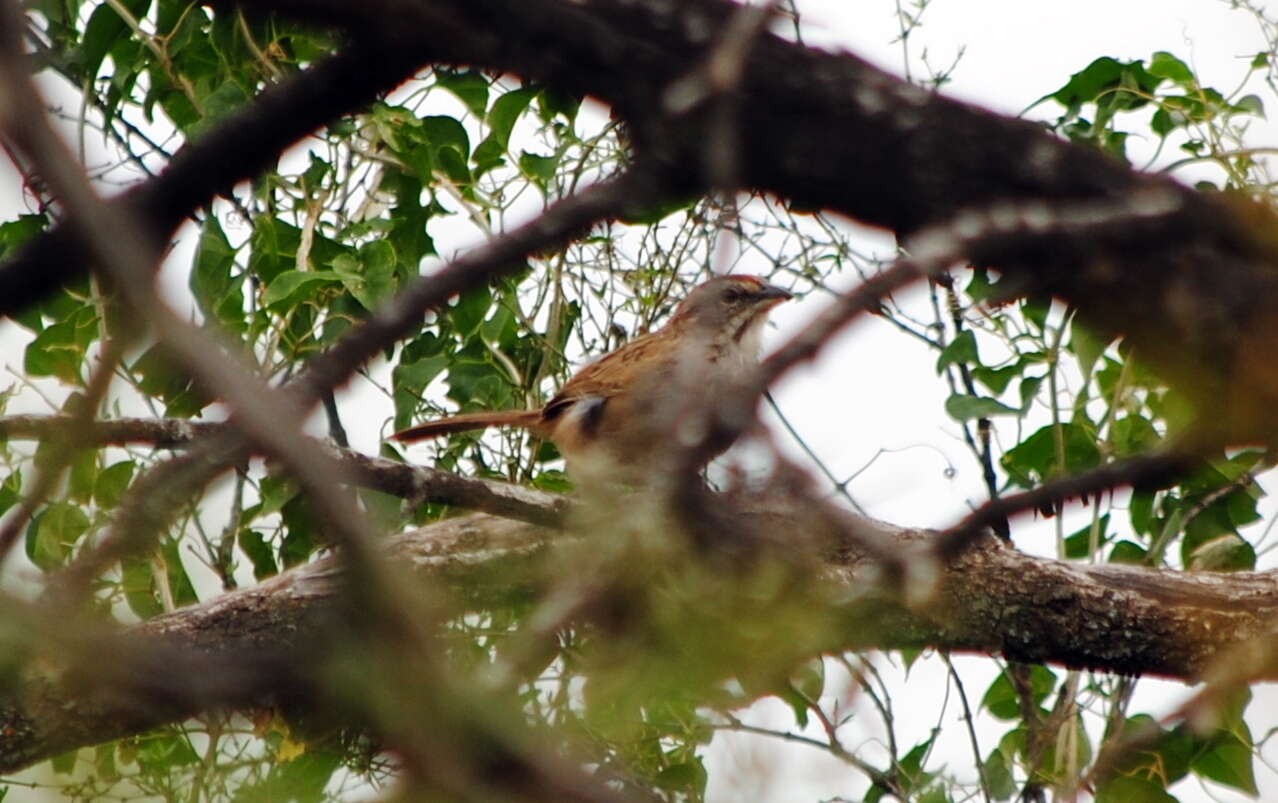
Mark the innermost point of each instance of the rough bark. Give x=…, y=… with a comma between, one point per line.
x=992, y=599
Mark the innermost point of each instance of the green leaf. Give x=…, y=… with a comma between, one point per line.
x=409, y=381
x=1035, y=458
x=64, y=763
x=996, y=379
x=104, y=29
x=1127, y=552
x=1250, y=104
x=961, y=350
x=217, y=292
x=370, y=278
x=112, y=482
x=1086, y=345
x=81, y=477
x=53, y=533
x=275, y=492
x=1132, y=789
x=910, y=767
x=962, y=407
x=164, y=751
x=980, y=288
x=505, y=113
x=1228, y=763
x=1165, y=65
x=1226, y=553
x=553, y=101
x=1085, y=85
x=470, y=87
x=1036, y=310
x=1133, y=434
x=254, y=545
x=158, y=379
x=220, y=102
x=446, y=133
x=1001, y=699
x=10, y=491
x=1029, y=391
x=289, y=288
x=301, y=537
x=137, y=581
x=538, y=169
x=997, y=771
x=685, y=777
x=59, y=349
x=14, y=234
x=470, y=310
x=1078, y=543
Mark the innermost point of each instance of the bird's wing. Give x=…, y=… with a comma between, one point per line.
x=610, y=375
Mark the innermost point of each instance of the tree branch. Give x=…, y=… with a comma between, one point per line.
x=991, y=599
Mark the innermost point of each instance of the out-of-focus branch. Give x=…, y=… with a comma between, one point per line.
x=990, y=599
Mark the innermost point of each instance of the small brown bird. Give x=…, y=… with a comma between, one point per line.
x=616, y=416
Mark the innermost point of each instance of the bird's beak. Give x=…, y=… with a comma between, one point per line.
x=774, y=295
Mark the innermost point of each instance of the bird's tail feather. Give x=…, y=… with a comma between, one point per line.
x=470, y=421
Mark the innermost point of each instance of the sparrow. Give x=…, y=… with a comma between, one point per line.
x=617, y=417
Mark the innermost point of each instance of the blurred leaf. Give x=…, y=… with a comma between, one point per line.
x=10, y=491
x=53, y=534
x=1132, y=435
x=156, y=378
x=470, y=310
x=64, y=763
x=1128, y=552
x=998, y=771
x=470, y=86
x=164, y=751
x=1078, y=544
x=1001, y=699
x=996, y=379
x=370, y=277
x=1035, y=459
x=1086, y=345
x=258, y=552
x=1226, y=553
x=216, y=290
x=961, y=350
x=112, y=482
x=537, y=168
x=293, y=286
x=1131, y=789
x=409, y=381
x=1250, y=104
x=1230, y=763
x=962, y=407
x=1165, y=65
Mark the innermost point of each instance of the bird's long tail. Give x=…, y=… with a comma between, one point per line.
x=468, y=421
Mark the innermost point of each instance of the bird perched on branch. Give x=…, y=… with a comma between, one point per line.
x=620, y=414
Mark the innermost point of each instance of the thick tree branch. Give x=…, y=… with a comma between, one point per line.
x=991, y=599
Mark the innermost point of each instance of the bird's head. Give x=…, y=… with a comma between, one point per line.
x=734, y=305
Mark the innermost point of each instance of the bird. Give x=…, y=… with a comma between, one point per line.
x=618, y=416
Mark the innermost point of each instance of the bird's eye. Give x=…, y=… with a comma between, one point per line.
x=732, y=295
